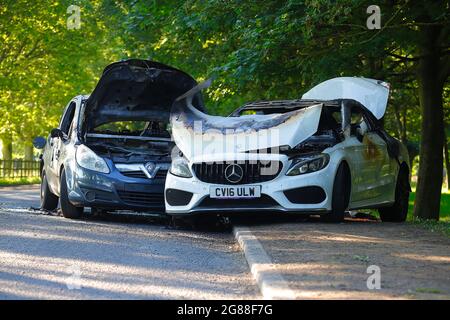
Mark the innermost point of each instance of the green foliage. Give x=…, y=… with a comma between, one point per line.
x=19, y=181
x=43, y=64
x=255, y=50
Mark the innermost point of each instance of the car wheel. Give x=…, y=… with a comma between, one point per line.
x=68, y=209
x=340, y=196
x=399, y=210
x=49, y=201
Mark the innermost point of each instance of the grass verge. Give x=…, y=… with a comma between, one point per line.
x=443, y=225
x=19, y=181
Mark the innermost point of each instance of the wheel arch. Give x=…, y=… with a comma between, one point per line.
x=348, y=175
x=61, y=169
x=404, y=167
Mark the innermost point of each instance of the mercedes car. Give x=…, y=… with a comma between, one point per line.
x=324, y=154
x=112, y=148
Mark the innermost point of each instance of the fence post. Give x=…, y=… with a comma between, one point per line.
x=19, y=168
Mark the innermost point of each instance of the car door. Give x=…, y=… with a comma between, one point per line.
x=372, y=164
x=57, y=147
x=355, y=151
x=380, y=168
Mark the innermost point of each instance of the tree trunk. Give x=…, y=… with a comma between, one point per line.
x=7, y=155
x=447, y=161
x=429, y=184
x=7, y=148
x=398, y=122
x=28, y=152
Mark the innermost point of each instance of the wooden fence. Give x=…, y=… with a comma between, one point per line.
x=19, y=169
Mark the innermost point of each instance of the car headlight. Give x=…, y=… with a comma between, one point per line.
x=87, y=158
x=304, y=165
x=180, y=168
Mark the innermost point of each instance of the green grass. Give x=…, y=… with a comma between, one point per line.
x=19, y=181
x=428, y=290
x=443, y=225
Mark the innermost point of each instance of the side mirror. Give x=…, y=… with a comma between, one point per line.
x=57, y=133
x=39, y=142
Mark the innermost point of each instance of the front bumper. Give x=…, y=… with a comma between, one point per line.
x=115, y=191
x=273, y=196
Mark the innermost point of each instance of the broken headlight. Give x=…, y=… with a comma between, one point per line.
x=180, y=168
x=87, y=159
x=304, y=165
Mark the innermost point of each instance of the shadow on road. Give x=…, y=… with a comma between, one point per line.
x=210, y=222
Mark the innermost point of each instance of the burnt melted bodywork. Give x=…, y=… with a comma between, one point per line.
x=329, y=131
x=197, y=133
x=134, y=91
x=334, y=121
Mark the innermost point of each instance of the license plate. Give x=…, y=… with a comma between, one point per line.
x=235, y=192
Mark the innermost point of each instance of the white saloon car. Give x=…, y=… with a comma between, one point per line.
x=323, y=154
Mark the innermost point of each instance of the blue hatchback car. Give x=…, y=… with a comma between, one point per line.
x=111, y=150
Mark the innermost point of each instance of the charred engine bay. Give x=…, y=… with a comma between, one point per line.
x=126, y=150
x=317, y=143
x=314, y=144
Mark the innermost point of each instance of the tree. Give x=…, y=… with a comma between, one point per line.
x=43, y=64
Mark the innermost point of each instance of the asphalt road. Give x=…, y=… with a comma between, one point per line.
x=44, y=256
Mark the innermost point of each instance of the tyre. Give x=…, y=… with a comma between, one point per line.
x=340, y=196
x=49, y=201
x=399, y=210
x=68, y=210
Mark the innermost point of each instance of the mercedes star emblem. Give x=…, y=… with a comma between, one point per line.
x=234, y=173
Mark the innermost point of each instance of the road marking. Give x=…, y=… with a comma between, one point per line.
x=271, y=283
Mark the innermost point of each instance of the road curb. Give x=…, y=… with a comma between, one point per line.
x=271, y=283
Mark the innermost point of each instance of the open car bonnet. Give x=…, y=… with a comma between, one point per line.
x=136, y=90
x=371, y=93
x=197, y=134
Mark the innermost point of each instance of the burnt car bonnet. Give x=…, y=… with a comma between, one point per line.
x=136, y=90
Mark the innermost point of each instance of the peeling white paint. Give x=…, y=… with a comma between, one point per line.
x=371, y=93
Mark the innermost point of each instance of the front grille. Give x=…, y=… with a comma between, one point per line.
x=142, y=198
x=134, y=174
x=253, y=171
x=263, y=202
x=161, y=174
